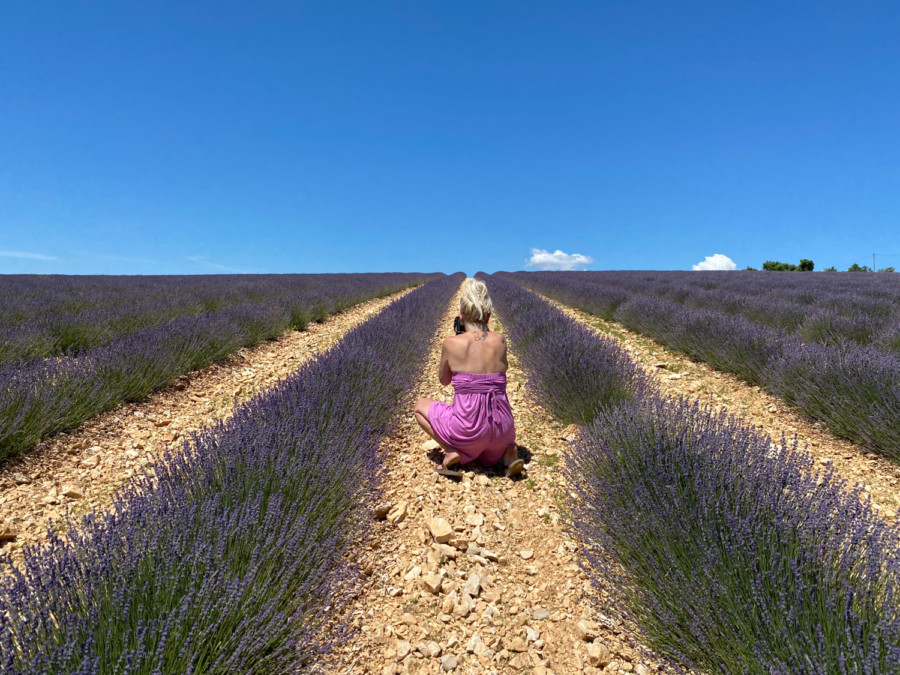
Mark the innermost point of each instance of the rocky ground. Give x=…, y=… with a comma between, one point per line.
x=478, y=575
x=79, y=470
x=677, y=375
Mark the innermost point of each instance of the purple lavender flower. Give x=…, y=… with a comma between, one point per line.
x=234, y=560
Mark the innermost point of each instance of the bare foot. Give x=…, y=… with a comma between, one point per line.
x=511, y=461
x=450, y=459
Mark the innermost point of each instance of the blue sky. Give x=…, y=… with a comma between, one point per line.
x=194, y=137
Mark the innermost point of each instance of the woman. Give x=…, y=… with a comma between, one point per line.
x=479, y=424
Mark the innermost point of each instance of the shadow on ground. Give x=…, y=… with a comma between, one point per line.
x=436, y=457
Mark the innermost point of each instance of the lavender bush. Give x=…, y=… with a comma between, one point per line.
x=856, y=391
x=826, y=308
x=56, y=315
x=732, y=554
x=234, y=561
x=852, y=388
x=47, y=395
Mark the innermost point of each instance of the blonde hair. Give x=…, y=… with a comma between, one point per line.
x=475, y=303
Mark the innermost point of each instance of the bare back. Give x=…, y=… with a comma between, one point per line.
x=464, y=354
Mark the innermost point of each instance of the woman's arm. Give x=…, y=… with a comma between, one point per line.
x=444, y=372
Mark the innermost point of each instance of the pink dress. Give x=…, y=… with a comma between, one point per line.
x=479, y=423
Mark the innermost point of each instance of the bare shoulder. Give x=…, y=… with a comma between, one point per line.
x=453, y=342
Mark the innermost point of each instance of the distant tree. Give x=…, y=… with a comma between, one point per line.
x=887, y=269
x=830, y=269
x=806, y=265
x=856, y=268
x=750, y=269
x=774, y=266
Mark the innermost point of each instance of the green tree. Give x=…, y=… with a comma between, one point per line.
x=830, y=269
x=855, y=267
x=774, y=266
x=887, y=269
x=806, y=265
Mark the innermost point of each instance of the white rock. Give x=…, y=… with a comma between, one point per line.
x=464, y=607
x=449, y=603
x=473, y=585
x=587, y=630
x=398, y=513
x=459, y=543
x=432, y=583
x=432, y=650
x=475, y=520
x=447, y=551
x=598, y=655
x=72, y=492
x=440, y=530
x=475, y=644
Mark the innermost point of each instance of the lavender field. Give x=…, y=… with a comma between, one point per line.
x=72, y=347
x=825, y=343
x=733, y=554
x=724, y=550
x=233, y=561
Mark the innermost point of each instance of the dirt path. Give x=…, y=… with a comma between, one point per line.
x=677, y=374
x=477, y=576
x=82, y=468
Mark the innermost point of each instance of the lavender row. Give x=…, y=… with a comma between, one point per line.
x=730, y=553
x=44, y=396
x=58, y=315
x=854, y=390
x=548, y=339
x=238, y=557
x=827, y=309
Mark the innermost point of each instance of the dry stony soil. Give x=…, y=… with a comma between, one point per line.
x=475, y=575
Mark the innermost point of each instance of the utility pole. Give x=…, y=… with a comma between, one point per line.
x=874, y=269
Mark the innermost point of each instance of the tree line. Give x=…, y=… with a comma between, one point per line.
x=807, y=265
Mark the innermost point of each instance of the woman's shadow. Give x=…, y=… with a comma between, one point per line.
x=437, y=456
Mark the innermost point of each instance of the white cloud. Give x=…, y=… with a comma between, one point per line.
x=30, y=256
x=544, y=260
x=715, y=262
